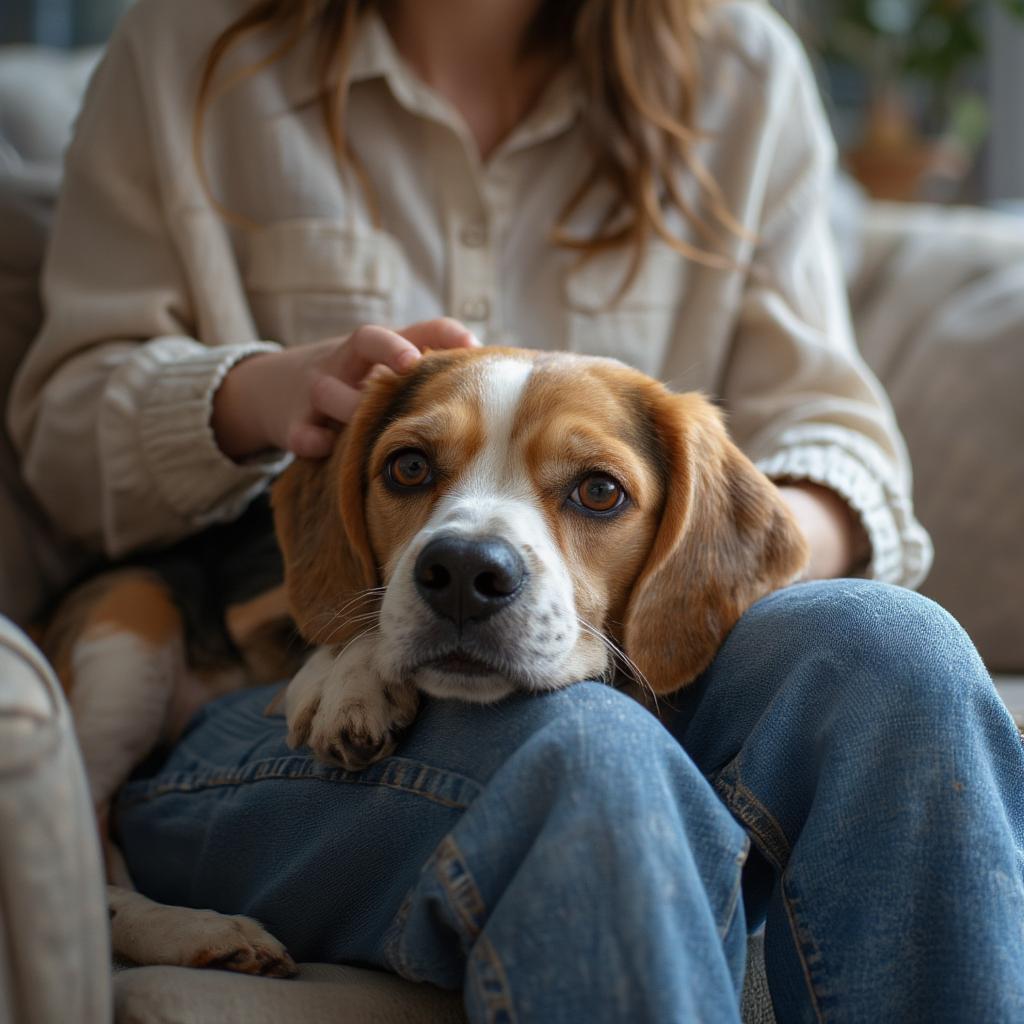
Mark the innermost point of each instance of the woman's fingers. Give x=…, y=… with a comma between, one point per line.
x=309, y=441
x=333, y=399
x=295, y=398
x=444, y=332
x=371, y=345
x=334, y=392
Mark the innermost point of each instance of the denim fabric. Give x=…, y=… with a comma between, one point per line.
x=569, y=858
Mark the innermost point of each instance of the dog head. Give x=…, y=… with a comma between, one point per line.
x=501, y=520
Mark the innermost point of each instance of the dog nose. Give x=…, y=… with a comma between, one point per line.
x=467, y=579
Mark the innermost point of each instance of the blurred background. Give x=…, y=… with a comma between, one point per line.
x=926, y=96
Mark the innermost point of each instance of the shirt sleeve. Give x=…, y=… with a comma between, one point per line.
x=111, y=408
x=800, y=399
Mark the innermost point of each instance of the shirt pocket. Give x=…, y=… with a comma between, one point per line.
x=310, y=279
x=638, y=327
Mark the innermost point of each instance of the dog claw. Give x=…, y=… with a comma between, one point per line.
x=355, y=753
x=301, y=725
x=243, y=946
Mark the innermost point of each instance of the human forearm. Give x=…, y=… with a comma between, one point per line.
x=836, y=539
x=236, y=419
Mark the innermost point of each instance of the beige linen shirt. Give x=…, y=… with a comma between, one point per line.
x=152, y=294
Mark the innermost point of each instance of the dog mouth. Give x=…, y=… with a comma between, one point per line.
x=466, y=675
x=459, y=662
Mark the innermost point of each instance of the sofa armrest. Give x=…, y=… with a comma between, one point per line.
x=54, y=951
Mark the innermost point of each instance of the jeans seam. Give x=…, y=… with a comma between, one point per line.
x=495, y=997
x=393, y=937
x=772, y=842
x=451, y=870
x=760, y=823
x=389, y=774
x=448, y=867
x=465, y=899
x=802, y=938
x=734, y=896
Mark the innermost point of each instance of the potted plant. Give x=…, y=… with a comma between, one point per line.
x=925, y=115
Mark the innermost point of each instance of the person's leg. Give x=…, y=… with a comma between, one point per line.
x=558, y=856
x=853, y=729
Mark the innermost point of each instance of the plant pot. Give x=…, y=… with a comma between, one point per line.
x=895, y=161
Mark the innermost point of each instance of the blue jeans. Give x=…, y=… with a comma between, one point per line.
x=844, y=770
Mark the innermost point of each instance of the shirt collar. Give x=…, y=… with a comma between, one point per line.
x=375, y=57
x=373, y=52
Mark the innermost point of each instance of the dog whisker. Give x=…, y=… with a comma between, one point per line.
x=361, y=595
x=359, y=636
x=621, y=657
x=364, y=617
x=332, y=617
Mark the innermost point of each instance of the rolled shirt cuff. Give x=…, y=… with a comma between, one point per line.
x=852, y=467
x=176, y=381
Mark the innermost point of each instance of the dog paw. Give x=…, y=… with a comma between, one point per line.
x=239, y=944
x=153, y=933
x=354, y=734
x=354, y=728
x=345, y=712
x=302, y=696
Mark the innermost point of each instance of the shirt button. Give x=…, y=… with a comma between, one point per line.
x=475, y=310
x=473, y=236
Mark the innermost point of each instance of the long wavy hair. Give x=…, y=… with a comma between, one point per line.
x=638, y=67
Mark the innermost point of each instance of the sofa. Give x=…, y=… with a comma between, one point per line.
x=938, y=301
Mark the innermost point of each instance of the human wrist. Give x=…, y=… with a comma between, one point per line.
x=835, y=536
x=238, y=416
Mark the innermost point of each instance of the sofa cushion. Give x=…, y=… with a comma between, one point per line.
x=35, y=563
x=939, y=311
x=322, y=994
x=328, y=994
x=53, y=917
x=40, y=92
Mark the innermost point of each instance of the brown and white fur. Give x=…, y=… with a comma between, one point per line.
x=490, y=577
x=529, y=592
x=118, y=645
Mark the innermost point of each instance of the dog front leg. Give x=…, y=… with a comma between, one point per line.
x=146, y=932
x=122, y=687
x=342, y=707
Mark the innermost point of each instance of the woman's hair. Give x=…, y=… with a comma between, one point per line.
x=637, y=62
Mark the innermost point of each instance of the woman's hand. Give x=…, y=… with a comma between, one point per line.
x=297, y=399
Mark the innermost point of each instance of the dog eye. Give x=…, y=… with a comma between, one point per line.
x=409, y=468
x=598, y=492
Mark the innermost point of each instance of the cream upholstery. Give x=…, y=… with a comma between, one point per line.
x=939, y=305
x=53, y=919
x=322, y=994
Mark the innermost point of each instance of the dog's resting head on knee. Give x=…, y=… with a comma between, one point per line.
x=501, y=520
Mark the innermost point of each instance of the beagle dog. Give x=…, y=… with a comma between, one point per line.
x=493, y=521
x=504, y=521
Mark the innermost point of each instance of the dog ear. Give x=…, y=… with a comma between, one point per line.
x=320, y=518
x=726, y=539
